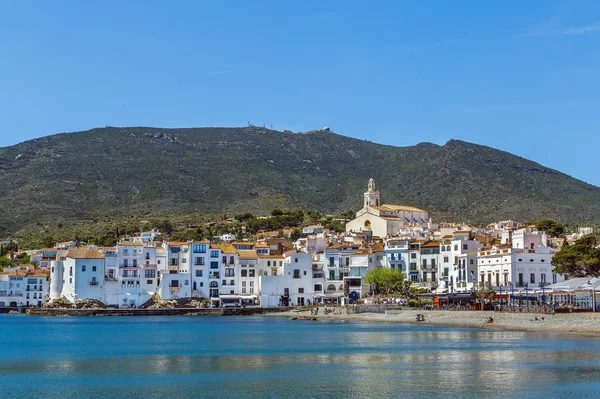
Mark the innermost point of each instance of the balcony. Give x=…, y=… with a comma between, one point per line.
x=229, y=275
x=93, y=283
x=110, y=278
x=214, y=275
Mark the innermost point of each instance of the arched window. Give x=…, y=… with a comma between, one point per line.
x=443, y=248
x=331, y=287
x=448, y=248
x=341, y=287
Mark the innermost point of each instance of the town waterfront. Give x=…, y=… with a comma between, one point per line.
x=273, y=357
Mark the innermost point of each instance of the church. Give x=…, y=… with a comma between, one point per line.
x=384, y=220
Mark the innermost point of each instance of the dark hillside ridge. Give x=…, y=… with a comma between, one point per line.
x=115, y=171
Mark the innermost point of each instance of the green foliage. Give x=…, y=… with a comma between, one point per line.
x=243, y=217
x=551, y=227
x=276, y=212
x=387, y=280
x=5, y=262
x=25, y=259
x=581, y=259
x=296, y=233
x=48, y=241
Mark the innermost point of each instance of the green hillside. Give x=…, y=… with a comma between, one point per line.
x=119, y=171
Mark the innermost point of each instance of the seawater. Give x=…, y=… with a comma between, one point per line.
x=272, y=357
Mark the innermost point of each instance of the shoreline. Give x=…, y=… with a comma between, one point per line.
x=587, y=324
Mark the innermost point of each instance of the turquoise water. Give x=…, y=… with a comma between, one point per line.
x=271, y=357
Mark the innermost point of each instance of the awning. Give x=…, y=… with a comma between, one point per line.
x=237, y=297
x=336, y=295
x=248, y=297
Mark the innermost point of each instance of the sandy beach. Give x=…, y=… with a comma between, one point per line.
x=571, y=323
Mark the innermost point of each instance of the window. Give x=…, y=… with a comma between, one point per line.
x=443, y=249
x=214, y=265
x=148, y=281
x=470, y=261
x=251, y=273
x=532, y=278
x=520, y=279
x=187, y=282
x=543, y=278
x=70, y=280
x=269, y=263
x=201, y=284
x=445, y=259
x=305, y=272
x=198, y=273
x=93, y=268
x=214, y=254
x=199, y=248
x=300, y=290
x=83, y=268
x=183, y=260
x=465, y=247
x=456, y=247
x=413, y=255
x=135, y=263
x=149, y=273
x=244, y=273
x=199, y=261
x=125, y=262
x=413, y=266
x=553, y=278
x=296, y=273
x=295, y=260
x=175, y=250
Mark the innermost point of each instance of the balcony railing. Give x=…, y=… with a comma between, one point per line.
x=93, y=283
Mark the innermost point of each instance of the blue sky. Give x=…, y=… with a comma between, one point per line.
x=521, y=76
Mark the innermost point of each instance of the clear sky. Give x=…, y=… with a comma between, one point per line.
x=522, y=76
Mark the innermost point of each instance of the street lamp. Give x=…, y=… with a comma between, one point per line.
x=527, y=295
x=512, y=296
x=501, y=298
x=542, y=286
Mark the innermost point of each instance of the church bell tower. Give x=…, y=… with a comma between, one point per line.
x=372, y=197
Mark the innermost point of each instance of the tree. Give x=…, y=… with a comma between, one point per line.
x=581, y=259
x=25, y=259
x=551, y=227
x=276, y=212
x=484, y=293
x=296, y=233
x=386, y=280
x=5, y=262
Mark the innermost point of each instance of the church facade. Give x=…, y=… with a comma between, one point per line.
x=384, y=220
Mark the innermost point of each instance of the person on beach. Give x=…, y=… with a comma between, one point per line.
x=489, y=321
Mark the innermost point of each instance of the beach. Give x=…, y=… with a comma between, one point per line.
x=571, y=323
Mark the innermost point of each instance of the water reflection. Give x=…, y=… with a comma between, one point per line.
x=257, y=357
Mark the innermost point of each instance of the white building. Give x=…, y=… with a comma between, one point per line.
x=24, y=287
x=384, y=220
x=293, y=283
x=79, y=276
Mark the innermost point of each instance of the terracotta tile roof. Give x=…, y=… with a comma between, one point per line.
x=130, y=244
x=247, y=253
x=84, y=253
x=178, y=243
x=432, y=244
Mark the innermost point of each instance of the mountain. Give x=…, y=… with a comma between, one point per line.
x=115, y=171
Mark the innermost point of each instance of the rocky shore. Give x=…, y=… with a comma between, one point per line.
x=572, y=323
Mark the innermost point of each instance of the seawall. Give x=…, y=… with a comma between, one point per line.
x=155, y=312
